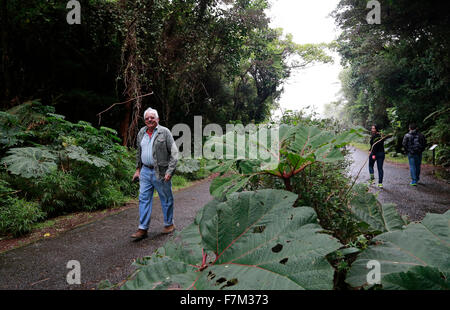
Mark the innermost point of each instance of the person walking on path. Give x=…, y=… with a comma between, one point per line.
x=414, y=143
x=377, y=155
x=156, y=160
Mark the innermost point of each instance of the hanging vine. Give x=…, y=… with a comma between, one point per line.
x=133, y=69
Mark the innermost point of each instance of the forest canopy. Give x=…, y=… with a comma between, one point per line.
x=218, y=59
x=397, y=72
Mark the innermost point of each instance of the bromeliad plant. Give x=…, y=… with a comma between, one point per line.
x=299, y=147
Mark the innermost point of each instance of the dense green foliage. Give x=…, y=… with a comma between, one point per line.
x=239, y=236
x=219, y=59
x=397, y=72
x=414, y=257
x=254, y=240
x=52, y=166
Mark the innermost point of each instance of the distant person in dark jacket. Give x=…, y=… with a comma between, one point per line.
x=414, y=143
x=376, y=155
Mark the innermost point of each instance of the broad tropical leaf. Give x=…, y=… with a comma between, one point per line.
x=173, y=264
x=276, y=246
x=11, y=136
x=417, y=278
x=231, y=184
x=424, y=244
x=80, y=154
x=380, y=217
x=188, y=165
x=11, y=133
x=254, y=240
x=29, y=162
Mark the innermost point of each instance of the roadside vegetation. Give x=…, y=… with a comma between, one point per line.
x=52, y=167
x=394, y=74
x=302, y=224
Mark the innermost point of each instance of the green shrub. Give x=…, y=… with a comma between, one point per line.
x=17, y=216
x=179, y=181
x=192, y=169
x=64, y=166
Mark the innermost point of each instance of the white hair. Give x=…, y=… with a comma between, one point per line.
x=150, y=110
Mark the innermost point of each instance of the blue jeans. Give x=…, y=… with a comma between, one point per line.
x=379, y=158
x=148, y=183
x=414, y=166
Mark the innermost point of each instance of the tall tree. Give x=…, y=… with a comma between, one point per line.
x=399, y=70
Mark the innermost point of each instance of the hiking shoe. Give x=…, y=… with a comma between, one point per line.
x=380, y=185
x=140, y=234
x=168, y=229
x=413, y=184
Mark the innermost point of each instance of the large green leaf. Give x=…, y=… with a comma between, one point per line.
x=417, y=278
x=188, y=165
x=229, y=184
x=174, y=264
x=308, y=139
x=254, y=240
x=380, y=217
x=424, y=244
x=30, y=162
x=161, y=273
x=80, y=154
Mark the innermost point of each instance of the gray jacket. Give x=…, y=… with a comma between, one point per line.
x=165, y=151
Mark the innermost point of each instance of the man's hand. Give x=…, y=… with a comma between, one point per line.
x=136, y=175
x=167, y=177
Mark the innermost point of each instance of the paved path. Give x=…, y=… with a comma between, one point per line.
x=430, y=196
x=103, y=248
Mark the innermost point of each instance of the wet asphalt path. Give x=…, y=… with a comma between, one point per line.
x=103, y=248
x=430, y=196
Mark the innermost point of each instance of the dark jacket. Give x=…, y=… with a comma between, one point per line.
x=414, y=142
x=379, y=147
x=165, y=151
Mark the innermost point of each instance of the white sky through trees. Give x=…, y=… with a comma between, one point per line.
x=309, y=22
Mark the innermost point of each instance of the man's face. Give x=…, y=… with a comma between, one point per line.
x=151, y=120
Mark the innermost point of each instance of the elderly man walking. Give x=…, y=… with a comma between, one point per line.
x=156, y=160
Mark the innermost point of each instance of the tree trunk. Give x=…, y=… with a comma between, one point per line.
x=125, y=124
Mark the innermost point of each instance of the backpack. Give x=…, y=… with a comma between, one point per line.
x=416, y=143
